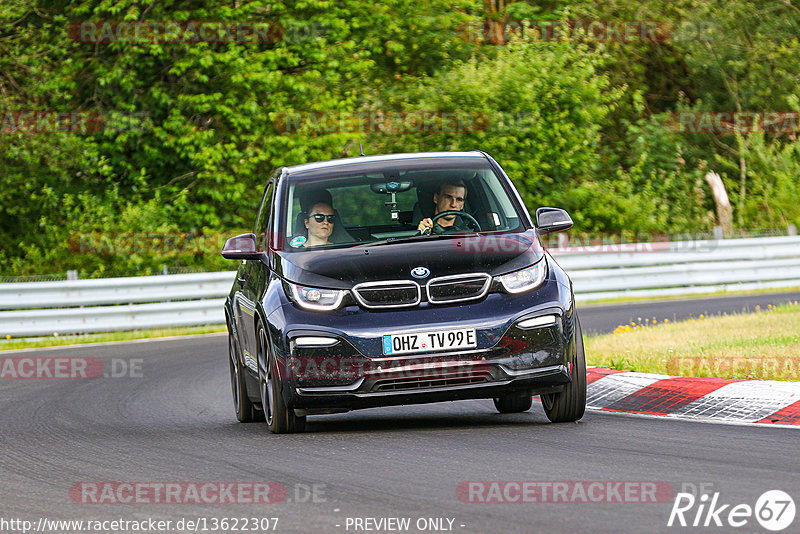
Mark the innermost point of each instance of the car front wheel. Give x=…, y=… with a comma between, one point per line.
x=280, y=419
x=570, y=404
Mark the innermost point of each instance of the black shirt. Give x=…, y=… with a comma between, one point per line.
x=458, y=226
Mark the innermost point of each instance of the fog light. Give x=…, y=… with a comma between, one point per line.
x=535, y=322
x=315, y=341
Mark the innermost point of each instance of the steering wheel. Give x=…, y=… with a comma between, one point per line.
x=469, y=218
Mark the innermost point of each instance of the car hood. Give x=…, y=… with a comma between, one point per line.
x=441, y=255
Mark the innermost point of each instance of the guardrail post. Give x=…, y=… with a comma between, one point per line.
x=792, y=229
x=72, y=275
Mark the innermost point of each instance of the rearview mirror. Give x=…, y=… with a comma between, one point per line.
x=391, y=187
x=241, y=247
x=549, y=220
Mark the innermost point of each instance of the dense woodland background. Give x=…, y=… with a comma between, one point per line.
x=192, y=130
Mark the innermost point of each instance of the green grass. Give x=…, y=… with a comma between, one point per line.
x=624, y=300
x=52, y=341
x=764, y=345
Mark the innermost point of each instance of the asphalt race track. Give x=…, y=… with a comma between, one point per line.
x=171, y=420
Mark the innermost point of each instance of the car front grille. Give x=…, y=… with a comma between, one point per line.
x=405, y=293
x=439, y=381
x=391, y=294
x=458, y=288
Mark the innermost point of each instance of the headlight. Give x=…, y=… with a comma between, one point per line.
x=313, y=298
x=525, y=279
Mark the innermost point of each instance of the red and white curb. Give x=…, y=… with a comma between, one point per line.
x=743, y=401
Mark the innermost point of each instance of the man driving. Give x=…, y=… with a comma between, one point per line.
x=450, y=197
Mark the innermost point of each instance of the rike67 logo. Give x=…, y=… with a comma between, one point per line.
x=774, y=510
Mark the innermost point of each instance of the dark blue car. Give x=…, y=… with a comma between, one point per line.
x=400, y=279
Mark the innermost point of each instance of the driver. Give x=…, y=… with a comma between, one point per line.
x=450, y=197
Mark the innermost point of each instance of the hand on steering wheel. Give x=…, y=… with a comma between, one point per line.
x=426, y=225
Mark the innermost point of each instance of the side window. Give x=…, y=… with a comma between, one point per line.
x=270, y=228
x=262, y=223
x=503, y=216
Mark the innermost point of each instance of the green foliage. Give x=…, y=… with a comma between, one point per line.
x=189, y=132
x=772, y=184
x=536, y=107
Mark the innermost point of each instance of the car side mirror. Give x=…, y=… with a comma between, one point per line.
x=241, y=247
x=549, y=220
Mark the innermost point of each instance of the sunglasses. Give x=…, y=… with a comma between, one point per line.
x=319, y=217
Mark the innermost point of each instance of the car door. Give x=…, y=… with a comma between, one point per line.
x=243, y=309
x=251, y=290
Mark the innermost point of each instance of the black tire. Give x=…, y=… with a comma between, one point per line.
x=570, y=404
x=246, y=412
x=514, y=403
x=280, y=419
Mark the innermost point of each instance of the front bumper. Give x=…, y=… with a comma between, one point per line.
x=514, y=351
x=307, y=401
x=348, y=374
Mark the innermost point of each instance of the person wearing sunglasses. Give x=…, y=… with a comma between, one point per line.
x=319, y=222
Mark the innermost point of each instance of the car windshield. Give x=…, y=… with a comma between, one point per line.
x=376, y=204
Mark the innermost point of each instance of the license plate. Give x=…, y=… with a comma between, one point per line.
x=463, y=338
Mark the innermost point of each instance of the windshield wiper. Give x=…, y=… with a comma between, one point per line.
x=419, y=237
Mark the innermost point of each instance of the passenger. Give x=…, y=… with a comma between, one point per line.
x=451, y=197
x=319, y=222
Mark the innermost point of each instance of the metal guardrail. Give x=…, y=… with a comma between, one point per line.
x=111, y=304
x=682, y=267
x=112, y=318
x=604, y=272
x=129, y=290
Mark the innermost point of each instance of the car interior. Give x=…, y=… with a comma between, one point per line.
x=390, y=205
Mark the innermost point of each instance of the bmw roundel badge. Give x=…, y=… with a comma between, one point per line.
x=420, y=272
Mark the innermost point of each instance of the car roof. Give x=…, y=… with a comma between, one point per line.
x=380, y=158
